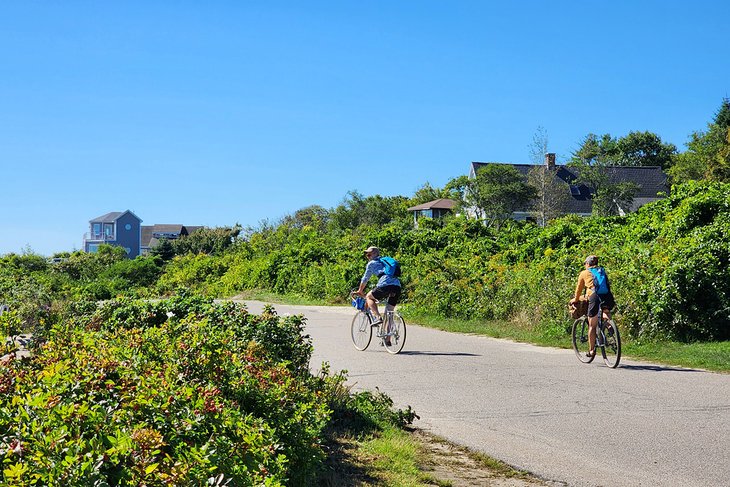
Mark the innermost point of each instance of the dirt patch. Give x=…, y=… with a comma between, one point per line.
x=458, y=466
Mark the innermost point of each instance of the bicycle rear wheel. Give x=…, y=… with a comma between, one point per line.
x=611, y=351
x=395, y=337
x=361, y=331
x=580, y=340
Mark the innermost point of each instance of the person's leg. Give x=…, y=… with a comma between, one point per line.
x=592, y=325
x=372, y=303
x=593, y=310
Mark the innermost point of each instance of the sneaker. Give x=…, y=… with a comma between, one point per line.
x=377, y=322
x=387, y=341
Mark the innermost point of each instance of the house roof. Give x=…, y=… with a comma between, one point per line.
x=651, y=181
x=441, y=204
x=168, y=228
x=148, y=232
x=112, y=217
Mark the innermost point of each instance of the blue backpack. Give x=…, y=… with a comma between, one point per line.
x=600, y=280
x=391, y=266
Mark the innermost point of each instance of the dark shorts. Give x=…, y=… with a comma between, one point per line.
x=390, y=292
x=595, y=300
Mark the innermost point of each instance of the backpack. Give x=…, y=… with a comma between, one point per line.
x=600, y=280
x=391, y=266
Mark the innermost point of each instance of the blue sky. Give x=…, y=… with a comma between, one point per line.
x=216, y=113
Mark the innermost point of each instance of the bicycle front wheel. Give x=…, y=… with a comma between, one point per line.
x=580, y=340
x=611, y=351
x=361, y=331
x=395, y=336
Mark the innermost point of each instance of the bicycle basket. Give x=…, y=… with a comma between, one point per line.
x=580, y=309
x=358, y=303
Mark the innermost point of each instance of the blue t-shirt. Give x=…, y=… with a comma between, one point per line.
x=376, y=268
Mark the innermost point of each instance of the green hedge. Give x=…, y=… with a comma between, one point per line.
x=668, y=265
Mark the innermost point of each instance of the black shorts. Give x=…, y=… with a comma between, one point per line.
x=603, y=300
x=390, y=292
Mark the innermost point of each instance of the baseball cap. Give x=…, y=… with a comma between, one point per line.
x=373, y=250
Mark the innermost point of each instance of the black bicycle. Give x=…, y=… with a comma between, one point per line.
x=608, y=339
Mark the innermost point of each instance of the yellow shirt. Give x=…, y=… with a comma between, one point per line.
x=585, y=281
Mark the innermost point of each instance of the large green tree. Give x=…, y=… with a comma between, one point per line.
x=356, y=210
x=708, y=152
x=497, y=191
x=593, y=160
x=634, y=149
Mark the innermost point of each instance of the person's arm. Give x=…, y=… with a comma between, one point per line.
x=365, y=278
x=578, y=288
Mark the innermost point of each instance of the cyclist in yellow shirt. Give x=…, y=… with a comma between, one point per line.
x=594, y=282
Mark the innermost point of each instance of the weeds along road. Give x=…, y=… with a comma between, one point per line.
x=541, y=410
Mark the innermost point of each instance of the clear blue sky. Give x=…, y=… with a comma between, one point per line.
x=213, y=113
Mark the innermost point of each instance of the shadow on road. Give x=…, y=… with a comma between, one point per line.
x=657, y=368
x=450, y=354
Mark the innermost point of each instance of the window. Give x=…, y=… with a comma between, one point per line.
x=128, y=226
x=427, y=213
x=108, y=230
x=93, y=247
x=96, y=230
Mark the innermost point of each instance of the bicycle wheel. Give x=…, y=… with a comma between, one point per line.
x=395, y=337
x=611, y=351
x=580, y=340
x=361, y=330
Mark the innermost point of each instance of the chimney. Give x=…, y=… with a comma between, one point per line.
x=550, y=160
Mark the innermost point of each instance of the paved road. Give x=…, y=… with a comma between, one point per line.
x=539, y=409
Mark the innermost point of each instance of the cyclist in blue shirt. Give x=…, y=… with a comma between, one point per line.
x=387, y=286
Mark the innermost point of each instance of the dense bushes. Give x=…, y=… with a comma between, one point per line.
x=179, y=392
x=668, y=265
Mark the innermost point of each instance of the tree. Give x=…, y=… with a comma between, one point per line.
x=497, y=192
x=592, y=160
x=213, y=241
x=551, y=194
x=313, y=216
x=614, y=199
x=634, y=149
x=164, y=250
x=643, y=149
x=708, y=153
x=356, y=210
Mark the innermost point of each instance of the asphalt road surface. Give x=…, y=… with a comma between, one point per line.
x=541, y=410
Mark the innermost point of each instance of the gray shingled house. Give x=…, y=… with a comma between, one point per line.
x=651, y=181
x=152, y=234
x=120, y=228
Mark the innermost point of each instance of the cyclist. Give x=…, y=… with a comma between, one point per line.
x=596, y=300
x=387, y=286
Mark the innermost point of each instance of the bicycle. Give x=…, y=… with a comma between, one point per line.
x=391, y=331
x=608, y=339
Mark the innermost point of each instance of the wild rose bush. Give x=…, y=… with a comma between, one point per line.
x=209, y=395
